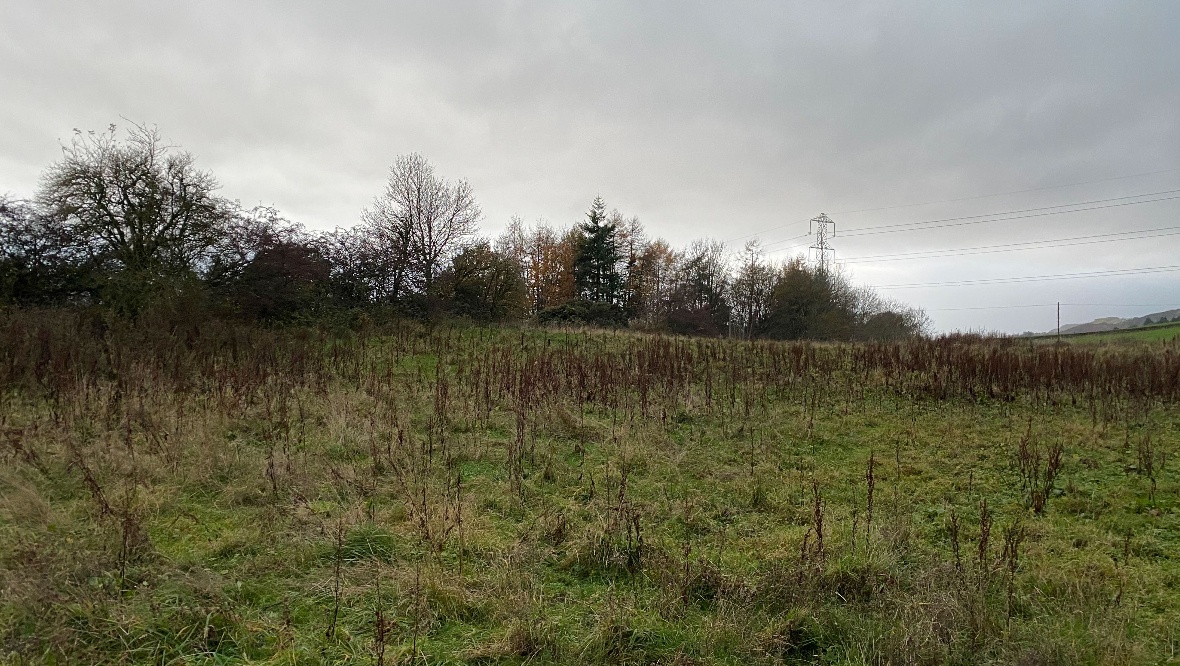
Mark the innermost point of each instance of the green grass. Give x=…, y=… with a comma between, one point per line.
x=240, y=515
x=1153, y=333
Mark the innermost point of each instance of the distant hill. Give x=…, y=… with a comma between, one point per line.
x=1116, y=324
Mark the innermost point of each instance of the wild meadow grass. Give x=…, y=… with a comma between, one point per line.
x=185, y=492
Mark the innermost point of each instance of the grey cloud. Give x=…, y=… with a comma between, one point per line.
x=713, y=119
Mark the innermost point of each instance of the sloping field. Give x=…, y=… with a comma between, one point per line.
x=1154, y=333
x=206, y=493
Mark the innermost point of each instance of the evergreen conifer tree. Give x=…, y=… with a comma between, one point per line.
x=596, y=269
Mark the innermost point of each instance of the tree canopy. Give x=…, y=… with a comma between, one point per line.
x=127, y=220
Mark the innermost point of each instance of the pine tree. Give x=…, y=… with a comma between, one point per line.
x=596, y=269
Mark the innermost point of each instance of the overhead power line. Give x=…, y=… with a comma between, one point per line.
x=1006, y=216
x=1000, y=194
x=766, y=231
x=786, y=240
x=971, y=198
x=1017, y=247
x=1034, y=278
x=1051, y=305
x=1012, y=215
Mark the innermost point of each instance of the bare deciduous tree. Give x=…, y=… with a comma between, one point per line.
x=423, y=220
x=365, y=269
x=752, y=287
x=700, y=295
x=136, y=205
x=245, y=233
x=39, y=261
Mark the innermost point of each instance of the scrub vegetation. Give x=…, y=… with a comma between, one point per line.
x=182, y=489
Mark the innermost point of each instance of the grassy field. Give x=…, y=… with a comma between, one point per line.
x=186, y=493
x=1168, y=332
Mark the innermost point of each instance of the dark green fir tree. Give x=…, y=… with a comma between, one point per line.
x=596, y=269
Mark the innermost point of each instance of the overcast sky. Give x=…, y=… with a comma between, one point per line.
x=704, y=119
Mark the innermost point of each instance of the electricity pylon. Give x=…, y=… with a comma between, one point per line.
x=824, y=228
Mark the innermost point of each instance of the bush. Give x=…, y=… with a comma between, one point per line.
x=591, y=313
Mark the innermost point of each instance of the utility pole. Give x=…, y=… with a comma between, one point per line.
x=824, y=228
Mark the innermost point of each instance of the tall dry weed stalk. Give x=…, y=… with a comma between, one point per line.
x=1038, y=469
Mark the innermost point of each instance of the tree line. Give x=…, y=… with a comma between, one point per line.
x=128, y=223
